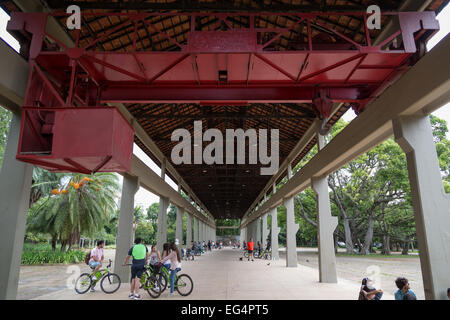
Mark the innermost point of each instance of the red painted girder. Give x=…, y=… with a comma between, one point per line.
x=183, y=94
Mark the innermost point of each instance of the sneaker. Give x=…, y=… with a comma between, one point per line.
x=131, y=296
x=92, y=289
x=137, y=297
x=170, y=295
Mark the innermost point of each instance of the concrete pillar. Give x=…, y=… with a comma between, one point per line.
x=275, y=230
x=195, y=229
x=431, y=204
x=15, y=186
x=179, y=225
x=291, y=231
x=265, y=230
x=326, y=224
x=162, y=223
x=258, y=230
x=188, y=230
x=125, y=234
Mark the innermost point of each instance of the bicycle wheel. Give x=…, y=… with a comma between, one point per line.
x=184, y=285
x=153, y=287
x=163, y=281
x=83, y=283
x=110, y=283
x=144, y=279
x=246, y=254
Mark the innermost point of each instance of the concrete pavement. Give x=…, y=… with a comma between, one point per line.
x=220, y=275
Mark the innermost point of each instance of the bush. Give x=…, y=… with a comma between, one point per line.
x=43, y=254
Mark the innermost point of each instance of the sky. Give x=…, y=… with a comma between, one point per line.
x=145, y=198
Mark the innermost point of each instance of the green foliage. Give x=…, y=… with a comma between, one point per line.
x=82, y=208
x=5, y=120
x=43, y=254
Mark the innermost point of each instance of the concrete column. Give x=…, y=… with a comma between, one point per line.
x=265, y=230
x=291, y=231
x=275, y=230
x=125, y=236
x=188, y=230
x=15, y=185
x=326, y=224
x=258, y=230
x=431, y=204
x=179, y=225
x=162, y=223
x=195, y=229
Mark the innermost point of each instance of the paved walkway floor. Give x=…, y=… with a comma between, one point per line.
x=220, y=275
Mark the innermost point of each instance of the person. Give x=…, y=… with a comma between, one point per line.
x=244, y=245
x=268, y=245
x=250, y=246
x=175, y=265
x=165, y=253
x=140, y=255
x=448, y=293
x=155, y=256
x=96, y=260
x=258, y=245
x=404, y=292
x=370, y=292
x=209, y=245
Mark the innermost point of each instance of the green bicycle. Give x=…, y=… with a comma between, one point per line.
x=151, y=283
x=183, y=283
x=109, y=282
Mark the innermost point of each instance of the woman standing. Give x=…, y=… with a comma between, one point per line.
x=155, y=257
x=175, y=265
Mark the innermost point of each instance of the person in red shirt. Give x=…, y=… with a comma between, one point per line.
x=250, y=245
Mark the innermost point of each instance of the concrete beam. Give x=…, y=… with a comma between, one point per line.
x=13, y=83
x=152, y=182
x=423, y=89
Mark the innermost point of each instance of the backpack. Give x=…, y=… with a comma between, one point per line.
x=87, y=257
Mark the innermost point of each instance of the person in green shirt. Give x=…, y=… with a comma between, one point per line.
x=140, y=255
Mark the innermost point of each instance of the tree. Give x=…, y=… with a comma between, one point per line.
x=5, y=120
x=82, y=204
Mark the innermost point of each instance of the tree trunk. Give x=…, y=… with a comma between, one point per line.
x=53, y=243
x=348, y=237
x=336, y=240
x=386, y=244
x=406, y=246
x=368, y=237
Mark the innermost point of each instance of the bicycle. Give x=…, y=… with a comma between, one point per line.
x=151, y=283
x=183, y=282
x=109, y=282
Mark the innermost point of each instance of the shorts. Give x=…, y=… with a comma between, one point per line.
x=250, y=251
x=137, y=270
x=94, y=264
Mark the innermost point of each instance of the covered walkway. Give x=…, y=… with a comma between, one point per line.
x=220, y=275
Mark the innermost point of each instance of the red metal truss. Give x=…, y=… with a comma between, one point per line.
x=229, y=65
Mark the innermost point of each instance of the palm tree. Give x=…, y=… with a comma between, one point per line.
x=81, y=204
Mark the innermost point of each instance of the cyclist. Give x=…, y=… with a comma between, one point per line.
x=175, y=265
x=165, y=253
x=96, y=260
x=250, y=245
x=140, y=255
